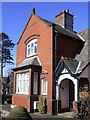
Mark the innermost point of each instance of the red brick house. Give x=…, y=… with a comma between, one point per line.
x=46, y=65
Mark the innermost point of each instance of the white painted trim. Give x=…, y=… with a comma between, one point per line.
x=81, y=37
x=65, y=71
x=38, y=60
x=75, y=81
x=66, y=76
x=42, y=80
x=78, y=67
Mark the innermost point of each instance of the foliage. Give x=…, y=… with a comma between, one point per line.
x=19, y=112
x=84, y=88
x=41, y=104
x=7, y=46
x=7, y=89
x=83, y=104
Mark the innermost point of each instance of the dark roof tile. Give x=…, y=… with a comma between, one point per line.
x=71, y=64
x=84, y=56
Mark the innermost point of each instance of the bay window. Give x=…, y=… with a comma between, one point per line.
x=22, y=83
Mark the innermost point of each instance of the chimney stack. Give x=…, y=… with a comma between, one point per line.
x=65, y=19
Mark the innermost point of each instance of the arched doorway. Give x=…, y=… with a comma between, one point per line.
x=66, y=94
x=66, y=91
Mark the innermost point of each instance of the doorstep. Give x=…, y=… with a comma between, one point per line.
x=66, y=115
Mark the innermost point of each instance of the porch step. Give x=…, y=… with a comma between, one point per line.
x=66, y=115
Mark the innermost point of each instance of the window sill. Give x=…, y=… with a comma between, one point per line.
x=32, y=55
x=22, y=93
x=44, y=94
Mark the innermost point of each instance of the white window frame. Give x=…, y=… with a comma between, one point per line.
x=44, y=86
x=35, y=83
x=31, y=49
x=22, y=83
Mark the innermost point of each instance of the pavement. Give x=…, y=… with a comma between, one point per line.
x=61, y=115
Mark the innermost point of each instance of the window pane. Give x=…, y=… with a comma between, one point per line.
x=35, y=49
x=28, y=45
x=32, y=47
x=22, y=83
x=44, y=86
x=28, y=51
x=35, y=84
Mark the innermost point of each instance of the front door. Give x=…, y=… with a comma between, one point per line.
x=64, y=94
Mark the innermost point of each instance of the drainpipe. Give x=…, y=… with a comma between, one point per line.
x=55, y=111
x=1, y=69
x=55, y=58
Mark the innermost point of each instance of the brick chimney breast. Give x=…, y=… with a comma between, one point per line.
x=65, y=19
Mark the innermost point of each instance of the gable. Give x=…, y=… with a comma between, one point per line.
x=36, y=28
x=33, y=20
x=66, y=66
x=61, y=69
x=30, y=22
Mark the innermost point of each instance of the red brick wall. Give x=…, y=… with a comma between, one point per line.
x=21, y=100
x=18, y=99
x=44, y=48
x=67, y=47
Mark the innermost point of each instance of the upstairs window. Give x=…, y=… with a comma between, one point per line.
x=32, y=47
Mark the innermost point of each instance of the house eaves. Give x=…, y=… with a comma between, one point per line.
x=68, y=33
x=82, y=67
x=28, y=62
x=59, y=28
x=70, y=65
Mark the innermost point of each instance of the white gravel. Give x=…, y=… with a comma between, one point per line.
x=4, y=113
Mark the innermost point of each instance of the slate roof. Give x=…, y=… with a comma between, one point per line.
x=29, y=61
x=83, y=64
x=67, y=32
x=70, y=64
x=59, y=28
x=84, y=56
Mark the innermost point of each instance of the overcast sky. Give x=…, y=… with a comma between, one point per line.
x=16, y=14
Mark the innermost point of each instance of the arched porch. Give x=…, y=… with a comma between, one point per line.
x=66, y=92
